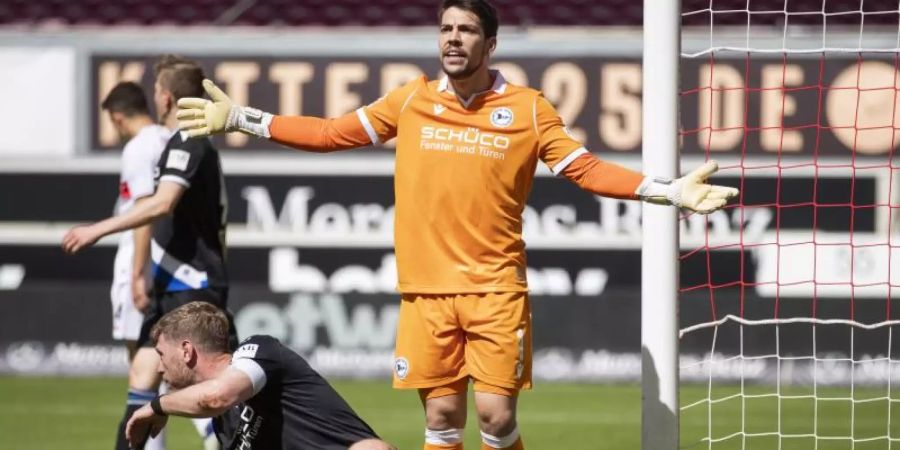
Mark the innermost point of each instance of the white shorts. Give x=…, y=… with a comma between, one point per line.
x=126, y=319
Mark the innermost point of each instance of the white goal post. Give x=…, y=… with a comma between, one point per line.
x=659, y=257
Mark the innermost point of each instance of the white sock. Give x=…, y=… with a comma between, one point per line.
x=159, y=442
x=501, y=442
x=452, y=436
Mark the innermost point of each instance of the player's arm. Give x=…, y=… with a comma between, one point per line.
x=207, y=399
x=161, y=203
x=211, y=397
x=142, y=236
x=611, y=180
x=567, y=157
x=603, y=178
x=201, y=117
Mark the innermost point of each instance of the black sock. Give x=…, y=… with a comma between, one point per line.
x=136, y=399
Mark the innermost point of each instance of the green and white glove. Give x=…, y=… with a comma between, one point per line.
x=199, y=117
x=690, y=192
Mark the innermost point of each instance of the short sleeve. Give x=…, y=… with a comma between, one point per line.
x=380, y=118
x=138, y=164
x=182, y=161
x=260, y=358
x=556, y=147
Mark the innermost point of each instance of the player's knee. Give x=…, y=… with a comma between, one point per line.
x=372, y=444
x=138, y=378
x=442, y=413
x=496, y=421
x=444, y=418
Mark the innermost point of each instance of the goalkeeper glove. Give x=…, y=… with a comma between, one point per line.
x=200, y=117
x=691, y=191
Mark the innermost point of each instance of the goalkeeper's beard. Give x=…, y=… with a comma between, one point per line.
x=466, y=73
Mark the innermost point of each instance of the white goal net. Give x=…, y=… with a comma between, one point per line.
x=788, y=324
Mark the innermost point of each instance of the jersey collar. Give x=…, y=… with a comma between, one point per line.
x=499, y=87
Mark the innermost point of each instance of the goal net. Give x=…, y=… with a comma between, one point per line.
x=789, y=327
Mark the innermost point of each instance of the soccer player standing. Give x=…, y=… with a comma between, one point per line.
x=188, y=211
x=467, y=149
x=130, y=115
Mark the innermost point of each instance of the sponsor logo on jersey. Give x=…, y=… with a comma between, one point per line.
x=178, y=160
x=401, y=368
x=501, y=117
x=469, y=136
x=248, y=428
x=246, y=351
x=438, y=109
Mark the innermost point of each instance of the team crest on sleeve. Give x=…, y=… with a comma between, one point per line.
x=246, y=351
x=401, y=368
x=178, y=160
x=501, y=117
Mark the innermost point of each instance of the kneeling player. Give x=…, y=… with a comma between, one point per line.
x=264, y=395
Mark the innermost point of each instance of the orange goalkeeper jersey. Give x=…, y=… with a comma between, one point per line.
x=463, y=173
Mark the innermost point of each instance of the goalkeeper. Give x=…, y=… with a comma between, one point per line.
x=467, y=148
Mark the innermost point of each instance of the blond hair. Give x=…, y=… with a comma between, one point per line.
x=202, y=323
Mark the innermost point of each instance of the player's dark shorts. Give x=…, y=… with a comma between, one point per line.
x=167, y=301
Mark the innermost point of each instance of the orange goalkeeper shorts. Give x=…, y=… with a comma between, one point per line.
x=442, y=338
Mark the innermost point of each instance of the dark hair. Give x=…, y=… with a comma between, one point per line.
x=201, y=323
x=127, y=98
x=180, y=76
x=486, y=13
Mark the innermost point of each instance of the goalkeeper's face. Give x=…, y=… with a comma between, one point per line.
x=176, y=360
x=464, y=49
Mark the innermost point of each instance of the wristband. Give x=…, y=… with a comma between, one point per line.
x=157, y=407
x=249, y=120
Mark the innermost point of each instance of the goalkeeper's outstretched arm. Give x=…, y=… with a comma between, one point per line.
x=201, y=117
x=691, y=192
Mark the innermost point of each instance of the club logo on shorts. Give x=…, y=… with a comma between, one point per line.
x=501, y=117
x=401, y=368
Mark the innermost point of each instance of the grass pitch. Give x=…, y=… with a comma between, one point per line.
x=82, y=413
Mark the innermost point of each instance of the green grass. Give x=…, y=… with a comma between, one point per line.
x=82, y=413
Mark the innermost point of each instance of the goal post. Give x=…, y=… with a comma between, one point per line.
x=659, y=257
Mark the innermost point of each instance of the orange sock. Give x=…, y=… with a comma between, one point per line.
x=428, y=446
x=515, y=446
